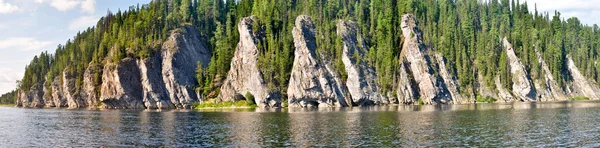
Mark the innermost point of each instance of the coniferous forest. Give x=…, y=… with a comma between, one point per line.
x=468, y=33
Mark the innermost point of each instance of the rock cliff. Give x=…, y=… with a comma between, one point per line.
x=580, y=86
x=180, y=56
x=154, y=93
x=431, y=91
x=58, y=100
x=32, y=98
x=522, y=86
x=121, y=86
x=89, y=91
x=361, y=82
x=450, y=81
x=549, y=88
x=407, y=88
x=312, y=81
x=244, y=76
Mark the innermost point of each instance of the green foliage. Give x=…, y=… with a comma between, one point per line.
x=485, y=99
x=420, y=102
x=9, y=98
x=579, y=98
x=225, y=104
x=249, y=98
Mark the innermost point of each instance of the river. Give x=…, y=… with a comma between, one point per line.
x=550, y=124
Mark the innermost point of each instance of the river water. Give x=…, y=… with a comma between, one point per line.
x=557, y=124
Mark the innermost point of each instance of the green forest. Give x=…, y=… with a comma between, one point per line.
x=467, y=32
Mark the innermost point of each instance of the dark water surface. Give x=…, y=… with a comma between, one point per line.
x=559, y=124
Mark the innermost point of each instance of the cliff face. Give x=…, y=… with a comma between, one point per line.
x=57, y=98
x=522, y=86
x=89, y=93
x=580, y=86
x=450, y=81
x=163, y=80
x=244, y=76
x=407, y=88
x=312, y=82
x=414, y=53
x=121, y=87
x=180, y=55
x=32, y=98
x=549, y=88
x=155, y=94
x=362, y=78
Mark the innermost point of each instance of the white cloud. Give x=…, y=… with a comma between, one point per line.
x=8, y=79
x=24, y=44
x=64, y=5
x=83, y=23
x=7, y=8
x=586, y=10
x=88, y=6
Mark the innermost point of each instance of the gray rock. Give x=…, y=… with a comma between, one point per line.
x=502, y=92
x=155, y=95
x=407, y=89
x=431, y=91
x=450, y=81
x=33, y=98
x=522, y=87
x=244, y=75
x=121, y=86
x=58, y=100
x=580, y=86
x=312, y=82
x=180, y=56
x=361, y=82
x=88, y=94
x=549, y=88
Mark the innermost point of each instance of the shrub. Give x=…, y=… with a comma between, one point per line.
x=420, y=102
x=485, y=99
x=249, y=98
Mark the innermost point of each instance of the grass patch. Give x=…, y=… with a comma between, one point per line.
x=420, y=102
x=579, y=98
x=8, y=105
x=224, y=104
x=485, y=99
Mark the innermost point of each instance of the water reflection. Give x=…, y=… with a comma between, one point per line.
x=556, y=124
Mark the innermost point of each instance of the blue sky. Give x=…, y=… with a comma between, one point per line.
x=28, y=27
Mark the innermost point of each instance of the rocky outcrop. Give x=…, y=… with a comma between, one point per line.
x=89, y=90
x=522, y=86
x=32, y=98
x=483, y=88
x=244, y=76
x=361, y=82
x=312, y=82
x=549, y=88
x=121, y=86
x=407, y=88
x=503, y=93
x=451, y=81
x=58, y=100
x=431, y=91
x=155, y=94
x=580, y=86
x=180, y=56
